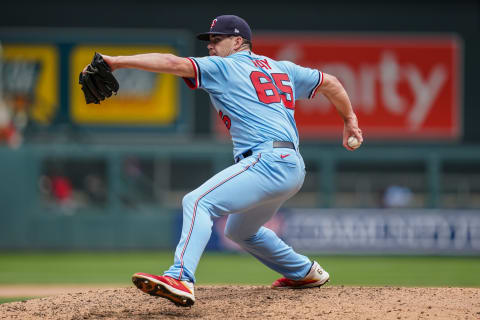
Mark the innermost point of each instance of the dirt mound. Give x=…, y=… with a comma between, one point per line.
x=257, y=302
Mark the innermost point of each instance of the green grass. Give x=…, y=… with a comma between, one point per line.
x=6, y=300
x=214, y=268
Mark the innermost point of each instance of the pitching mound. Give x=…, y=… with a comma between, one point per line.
x=257, y=302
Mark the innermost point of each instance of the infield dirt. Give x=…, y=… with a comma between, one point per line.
x=257, y=302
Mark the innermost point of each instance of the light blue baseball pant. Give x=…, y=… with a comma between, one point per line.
x=250, y=192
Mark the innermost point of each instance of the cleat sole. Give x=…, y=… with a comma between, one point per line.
x=157, y=290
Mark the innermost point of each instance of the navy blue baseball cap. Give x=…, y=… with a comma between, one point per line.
x=230, y=25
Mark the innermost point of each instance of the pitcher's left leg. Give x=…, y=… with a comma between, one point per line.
x=218, y=196
x=234, y=189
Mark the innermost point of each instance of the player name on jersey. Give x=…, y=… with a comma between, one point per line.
x=261, y=63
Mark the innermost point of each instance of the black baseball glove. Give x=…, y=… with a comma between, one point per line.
x=98, y=81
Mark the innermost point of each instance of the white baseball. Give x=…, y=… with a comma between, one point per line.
x=353, y=142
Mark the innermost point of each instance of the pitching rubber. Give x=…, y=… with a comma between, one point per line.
x=159, y=289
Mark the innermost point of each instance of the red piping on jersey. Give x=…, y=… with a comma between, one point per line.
x=195, y=209
x=188, y=81
x=318, y=86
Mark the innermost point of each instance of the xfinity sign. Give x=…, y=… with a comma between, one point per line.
x=401, y=86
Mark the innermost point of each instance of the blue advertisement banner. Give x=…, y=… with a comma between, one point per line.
x=383, y=231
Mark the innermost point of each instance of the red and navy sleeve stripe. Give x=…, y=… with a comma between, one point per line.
x=194, y=83
x=319, y=83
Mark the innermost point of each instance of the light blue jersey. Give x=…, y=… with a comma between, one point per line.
x=255, y=98
x=255, y=95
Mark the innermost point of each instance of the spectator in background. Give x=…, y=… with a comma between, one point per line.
x=8, y=132
x=397, y=197
x=61, y=189
x=95, y=189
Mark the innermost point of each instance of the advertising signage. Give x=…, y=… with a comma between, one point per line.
x=41, y=70
x=406, y=87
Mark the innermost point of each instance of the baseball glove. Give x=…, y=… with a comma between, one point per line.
x=98, y=81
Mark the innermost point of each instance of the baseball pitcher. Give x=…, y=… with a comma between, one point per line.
x=255, y=98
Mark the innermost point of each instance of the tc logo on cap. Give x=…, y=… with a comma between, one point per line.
x=214, y=22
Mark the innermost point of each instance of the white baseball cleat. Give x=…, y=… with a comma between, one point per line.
x=316, y=277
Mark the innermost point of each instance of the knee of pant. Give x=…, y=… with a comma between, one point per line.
x=193, y=199
x=234, y=234
x=189, y=199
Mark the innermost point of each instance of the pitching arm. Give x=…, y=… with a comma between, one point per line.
x=333, y=90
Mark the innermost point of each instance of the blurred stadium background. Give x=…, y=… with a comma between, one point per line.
x=112, y=176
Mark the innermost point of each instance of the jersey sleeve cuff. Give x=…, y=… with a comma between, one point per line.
x=193, y=83
x=319, y=83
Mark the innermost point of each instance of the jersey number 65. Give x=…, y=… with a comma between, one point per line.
x=267, y=91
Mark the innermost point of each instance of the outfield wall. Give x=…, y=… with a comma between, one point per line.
x=119, y=206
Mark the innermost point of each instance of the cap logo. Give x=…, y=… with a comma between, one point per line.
x=236, y=30
x=214, y=22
